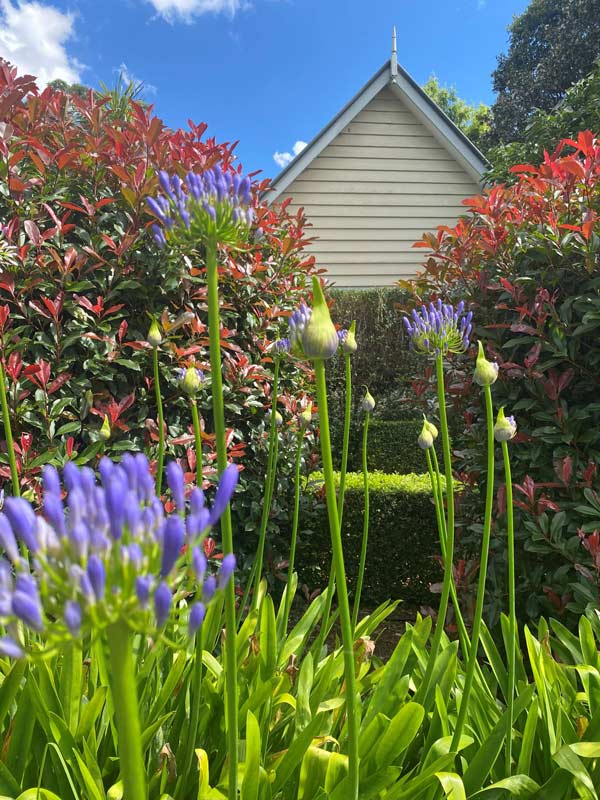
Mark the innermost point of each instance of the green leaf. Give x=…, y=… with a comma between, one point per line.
x=399, y=734
x=250, y=781
x=452, y=785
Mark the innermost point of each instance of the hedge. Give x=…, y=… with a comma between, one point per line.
x=403, y=538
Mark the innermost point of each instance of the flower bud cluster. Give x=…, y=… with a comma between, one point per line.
x=107, y=552
x=368, y=402
x=347, y=340
x=439, y=328
x=190, y=380
x=505, y=428
x=428, y=435
x=212, y=204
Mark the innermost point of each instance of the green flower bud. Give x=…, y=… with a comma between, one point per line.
x=505, y=428
x=154, y=334
x=348, y=339
x=105, y=429
x=305, y=417
x=368, y=402
x=486, y=372
x=278, y=418
x=319, y=339
x=428, y=435
x=191, y=380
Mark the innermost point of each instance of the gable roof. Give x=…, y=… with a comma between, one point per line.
x=415, y=98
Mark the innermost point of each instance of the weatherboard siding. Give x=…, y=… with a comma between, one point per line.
x=373, y=191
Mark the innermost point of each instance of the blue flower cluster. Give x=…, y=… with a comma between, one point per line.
x=108, y=551
x=298, y=323
x=439, y=328
x=213, y=203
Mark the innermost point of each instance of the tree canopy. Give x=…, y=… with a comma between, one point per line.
x=473, y=120
x=553, y=44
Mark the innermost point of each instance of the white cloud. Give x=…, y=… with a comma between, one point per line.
x=283, y=159
x=33, y=38
x=127, y=77
x=186, y=10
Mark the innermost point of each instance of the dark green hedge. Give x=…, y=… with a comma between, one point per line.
x=392, y=447
x=402, y=539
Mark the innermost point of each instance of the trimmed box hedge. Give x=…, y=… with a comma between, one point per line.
x=403, y=538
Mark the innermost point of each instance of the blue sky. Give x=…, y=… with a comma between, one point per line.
x=267, y=72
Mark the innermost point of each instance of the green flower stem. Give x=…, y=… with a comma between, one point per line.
x=124, y=694
x=438, y=496
x=449, y=557
x=198, y=441
x=161, y=422
x=340, y=577
x=269, y=486
x=365, y=536
x=346, y=439
x=231, y=688
x=512, y=608
x=294, y=537
x=485, y=548
x=10, y=447
x=326, y=625
x=195, y=703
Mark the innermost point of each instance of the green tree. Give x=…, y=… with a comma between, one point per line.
x=553, y=44
x=471, y=119
x=579, y=110
x=77, y=89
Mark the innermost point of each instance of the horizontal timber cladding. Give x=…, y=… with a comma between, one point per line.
x=374, y=190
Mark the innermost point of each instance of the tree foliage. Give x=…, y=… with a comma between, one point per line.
x=473, y=120
x=553, y=44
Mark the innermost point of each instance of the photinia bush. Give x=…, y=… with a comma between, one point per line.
x=527, y=258
x=81, y=280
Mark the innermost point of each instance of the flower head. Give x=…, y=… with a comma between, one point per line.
x=107, y=551
x=191, y=380
x=212, y=205
x=281, y=346
x=368, y=402
x=347, y=339
x=312, y=333
x=105, y=432
x=305, y=417
x=278, y=418
x=486, y=372
x=439, y=328
x=505, y=428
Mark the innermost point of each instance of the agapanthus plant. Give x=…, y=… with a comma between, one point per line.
x=211, y=204
x=108, y=552
x=439, y=328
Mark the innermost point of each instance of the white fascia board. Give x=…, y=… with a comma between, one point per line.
x=328, y=134
x=440, y=126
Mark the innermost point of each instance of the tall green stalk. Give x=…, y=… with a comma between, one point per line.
x=483, y=564
x=365, y=534
x=512, y=609
x=269, y=486
x=231, y=688
x=438, y=497
x=326, y=619
x=449, y=557
x=197, y=440
x=294, y=537
x=340, y=577
x=10, y=447
x=125, y=700
x=161, y=422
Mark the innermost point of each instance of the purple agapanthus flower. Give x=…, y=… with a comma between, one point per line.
x=439, y=328
x=106, y=551
x=212, y=203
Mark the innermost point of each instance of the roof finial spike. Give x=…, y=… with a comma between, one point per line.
x=394, y=59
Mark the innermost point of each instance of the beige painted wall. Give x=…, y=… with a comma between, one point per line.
x=374, y=190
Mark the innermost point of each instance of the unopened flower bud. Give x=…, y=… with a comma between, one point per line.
x=368, y=402
x=154, y=334
x=305, y=417
x=319, y=338
x=428, y=435
x=505, y=428
x=486, y=372
x=278, y=418
x=105, y=429
x=347, y=339
x=191, y=380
